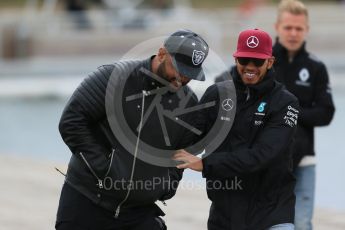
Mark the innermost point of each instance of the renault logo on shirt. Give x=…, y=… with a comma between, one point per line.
x=304, y=74
x=303, y=77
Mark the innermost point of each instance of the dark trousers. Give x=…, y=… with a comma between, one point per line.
x=77, y=212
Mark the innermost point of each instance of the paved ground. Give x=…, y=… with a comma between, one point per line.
x=29, y=193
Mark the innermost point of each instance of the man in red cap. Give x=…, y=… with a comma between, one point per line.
x=249, y=177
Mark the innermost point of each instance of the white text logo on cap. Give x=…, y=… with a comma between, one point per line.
x=252, y=42
x=198, y=57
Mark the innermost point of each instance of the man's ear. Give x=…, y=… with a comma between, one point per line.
x=270, y=62
x=162, y=52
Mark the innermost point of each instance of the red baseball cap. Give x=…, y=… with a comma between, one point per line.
x=254, y=44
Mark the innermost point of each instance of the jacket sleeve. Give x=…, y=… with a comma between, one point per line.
x=198, y=120
x=84, y=110
x=207, y=117
x=187, y=139
x=322, y=111
x=175, y=175
x=271, y=142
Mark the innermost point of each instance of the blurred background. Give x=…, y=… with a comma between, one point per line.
x=48, y=46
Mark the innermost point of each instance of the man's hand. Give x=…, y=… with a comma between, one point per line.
x=190, y=161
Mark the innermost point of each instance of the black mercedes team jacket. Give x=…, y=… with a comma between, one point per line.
x=249, y=177
x=307, y=78
x=100, y=166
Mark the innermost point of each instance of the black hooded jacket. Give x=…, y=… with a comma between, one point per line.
x=249, y=177
x=307, y=78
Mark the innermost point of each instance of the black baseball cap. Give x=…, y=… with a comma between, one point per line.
x=188, y=51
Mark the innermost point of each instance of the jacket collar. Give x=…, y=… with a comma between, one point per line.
x=280, y=52
x=257, y=90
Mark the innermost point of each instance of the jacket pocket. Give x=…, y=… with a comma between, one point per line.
x=99, y=178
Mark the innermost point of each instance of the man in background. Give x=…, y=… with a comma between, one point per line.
x=306, y=77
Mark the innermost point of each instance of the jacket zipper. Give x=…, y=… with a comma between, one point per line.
x=100, y=182
x=118, y=209
x=248, y=93
x=111, y=162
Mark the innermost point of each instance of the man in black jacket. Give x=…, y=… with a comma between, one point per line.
x=306, y=77
x=111, y=183
x=249, y=177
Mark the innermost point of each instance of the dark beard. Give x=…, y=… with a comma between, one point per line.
x=161, y=72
